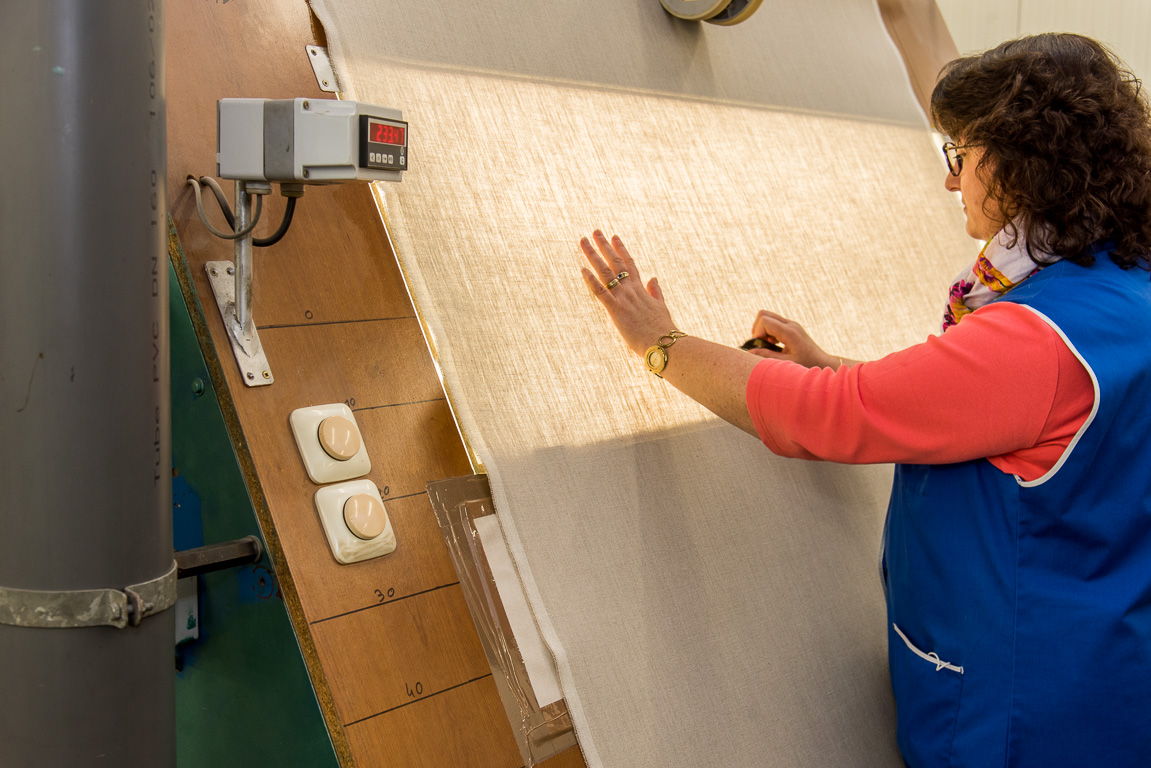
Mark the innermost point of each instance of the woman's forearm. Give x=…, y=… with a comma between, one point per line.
x=713, y=375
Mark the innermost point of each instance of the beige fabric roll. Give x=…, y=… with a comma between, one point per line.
x=706, y=602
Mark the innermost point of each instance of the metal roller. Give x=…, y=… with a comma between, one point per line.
x=735, y=12
x=695, y=10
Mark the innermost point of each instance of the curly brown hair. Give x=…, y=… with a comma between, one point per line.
x=1066, y=139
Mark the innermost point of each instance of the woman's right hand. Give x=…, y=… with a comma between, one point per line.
x=797, y=345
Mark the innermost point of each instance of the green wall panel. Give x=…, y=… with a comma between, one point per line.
x=243, y=696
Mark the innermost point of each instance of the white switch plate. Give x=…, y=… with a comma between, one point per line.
x=322, y=468
x=346, y=546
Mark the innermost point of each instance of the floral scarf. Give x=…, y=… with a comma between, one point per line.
x=996, y=270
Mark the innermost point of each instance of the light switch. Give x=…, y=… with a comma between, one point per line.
x=330, y=443
x=355, y=521
x=365, y=516
x=339, y=438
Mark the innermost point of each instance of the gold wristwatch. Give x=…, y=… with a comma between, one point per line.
x=656, y=357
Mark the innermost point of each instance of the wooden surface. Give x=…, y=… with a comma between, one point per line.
x=389, y=643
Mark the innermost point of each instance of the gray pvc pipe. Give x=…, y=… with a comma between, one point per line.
x=85, y=459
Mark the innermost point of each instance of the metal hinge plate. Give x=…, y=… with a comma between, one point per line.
x=322, y=67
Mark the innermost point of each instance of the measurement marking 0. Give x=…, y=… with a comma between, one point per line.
x=408, y=496
x=334, y=322
x=397, y=405
x=422, y=698
x=386, y=602
x=414, y=402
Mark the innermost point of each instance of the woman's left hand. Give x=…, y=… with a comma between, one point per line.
x=639, y=312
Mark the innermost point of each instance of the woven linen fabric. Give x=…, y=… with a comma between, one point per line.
x=706, y=602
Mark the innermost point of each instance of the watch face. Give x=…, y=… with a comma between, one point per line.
x=656, y=359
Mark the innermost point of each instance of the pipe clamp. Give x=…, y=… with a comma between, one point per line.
x=88, y=607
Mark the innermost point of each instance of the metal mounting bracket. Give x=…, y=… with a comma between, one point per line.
x=232, y=285
x=65, y=609
x=245, y=344
x=322, y=68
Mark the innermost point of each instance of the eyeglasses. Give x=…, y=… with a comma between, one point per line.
x=954, y=159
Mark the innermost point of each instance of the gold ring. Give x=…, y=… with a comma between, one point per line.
x=613, y=284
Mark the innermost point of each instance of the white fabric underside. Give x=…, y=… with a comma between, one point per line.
x=706, y=602
x=537, y=659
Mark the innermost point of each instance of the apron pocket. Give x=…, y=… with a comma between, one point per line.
x=927, y=693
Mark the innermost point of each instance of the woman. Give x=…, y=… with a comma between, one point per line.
x=1017, y=552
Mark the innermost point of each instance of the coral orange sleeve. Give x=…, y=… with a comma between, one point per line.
x=1001, y=385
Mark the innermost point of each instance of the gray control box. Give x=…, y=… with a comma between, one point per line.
x=309, y=141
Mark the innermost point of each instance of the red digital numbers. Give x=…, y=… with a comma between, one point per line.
x=382, y=133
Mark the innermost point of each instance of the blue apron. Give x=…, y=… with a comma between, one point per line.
x=1019, y=613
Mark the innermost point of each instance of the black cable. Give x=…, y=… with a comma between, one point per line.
x=272, y=239
x=290, y=191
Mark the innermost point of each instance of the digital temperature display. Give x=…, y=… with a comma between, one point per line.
x=385, y=133
x=383, y=144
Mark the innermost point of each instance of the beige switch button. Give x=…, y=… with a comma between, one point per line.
x=355, y=521
x=365, y=516
x=330, y=443
x=339, y=438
